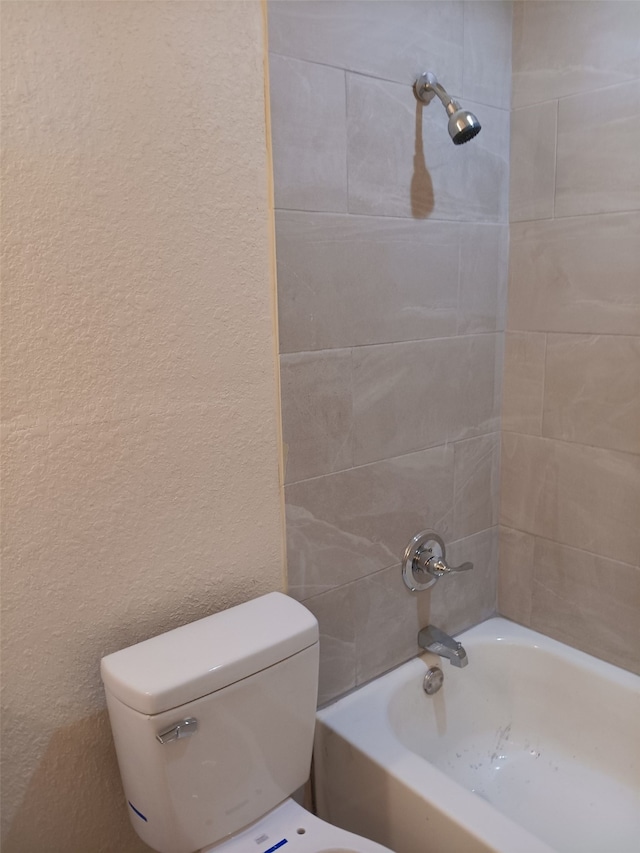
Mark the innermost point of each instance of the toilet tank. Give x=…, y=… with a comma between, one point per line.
x=245, y=680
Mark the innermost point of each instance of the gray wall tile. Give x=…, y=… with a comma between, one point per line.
x=418, y=302
x=587, y=601
x=353, y=280
x=515, y=575
x=415, y=395
x=598, y=167
x=462, y=600
x=347, y=525
x=523, y=382
x=592, y=390
x=391, y=39
x=585, y=497
x=476, y=484
x=402, y=162
x=563, y=48
x=533, y=162
x=487, y=52
x=571, y=488
x=389, y=617
x=561, y=273
x=484, y=264
x=334, y=611
x=309, y=135
x=317, y=417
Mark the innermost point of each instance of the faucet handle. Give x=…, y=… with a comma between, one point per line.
x=424, y=561
x=440, y=567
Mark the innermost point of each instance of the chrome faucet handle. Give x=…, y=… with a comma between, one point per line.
x=424, y=562
x=439, y=567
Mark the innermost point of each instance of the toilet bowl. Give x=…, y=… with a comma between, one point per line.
x=213, y=726
x=291, y=829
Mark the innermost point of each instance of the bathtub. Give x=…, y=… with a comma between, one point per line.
x=533, y=747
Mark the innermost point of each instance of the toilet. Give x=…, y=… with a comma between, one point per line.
x=213, y=726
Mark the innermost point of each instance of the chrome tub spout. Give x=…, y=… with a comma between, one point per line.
x=432, y=639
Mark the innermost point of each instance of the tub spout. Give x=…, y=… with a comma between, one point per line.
x=432, y=639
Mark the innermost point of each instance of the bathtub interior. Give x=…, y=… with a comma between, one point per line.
x=546, y=735
x=532, y=734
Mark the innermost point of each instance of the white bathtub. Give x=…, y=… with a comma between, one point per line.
x=532, y=747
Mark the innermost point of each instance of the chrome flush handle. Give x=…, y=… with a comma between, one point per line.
x=185, y=728
x=424, y=561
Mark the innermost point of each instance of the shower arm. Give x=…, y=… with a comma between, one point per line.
x=426, y=86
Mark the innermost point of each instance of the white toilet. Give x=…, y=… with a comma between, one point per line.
x=213, y=725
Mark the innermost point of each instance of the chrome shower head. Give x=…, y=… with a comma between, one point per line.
x=463, y=125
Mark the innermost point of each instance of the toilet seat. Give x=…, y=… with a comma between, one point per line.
x=291, y=829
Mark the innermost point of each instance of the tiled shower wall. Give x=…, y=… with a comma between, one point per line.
x=570, y=541
x=392, y=257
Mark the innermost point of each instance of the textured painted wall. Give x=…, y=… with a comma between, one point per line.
x=392, y=260
x=570, y=536
x=141, y=483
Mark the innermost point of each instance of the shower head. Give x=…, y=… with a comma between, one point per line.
x=463, y=125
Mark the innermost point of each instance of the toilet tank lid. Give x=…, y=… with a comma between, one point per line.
x=196, y=659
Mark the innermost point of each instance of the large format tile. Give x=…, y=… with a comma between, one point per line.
x=587, y=601
x=498, y=371
x=592, y=390
x=581, y=496
x=352, y=280
x=461, y=600
x=334, y=612
x=487, y=52
x=317, y=420
x=388, y=617
x=523, y=382
x=350, y=524
x=515, y=576
x=598, y=167
x=402, y=162
x=386, y=38
x=309, y=135
x=476, y=467
x=484, y=264
x=532, y=178
x=415, y=395
x=563, y=48
x=561, y=273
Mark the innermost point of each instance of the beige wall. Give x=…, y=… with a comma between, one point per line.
x=139, y=403
x=570, y=543
x=392, y=257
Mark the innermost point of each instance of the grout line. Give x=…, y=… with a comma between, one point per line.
x=570, y=332
x=352, y=213
x=397, y=564
x=445, y=444
x=464, y=64
x=589, y=91
x=352, y=422
x=555, y=159
x=544, y=383
x=494, y=223
x=458, y=294
x=565, y=545
x=551, y=438
x=346, y=140
x=370, y=76
x=397, y=343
